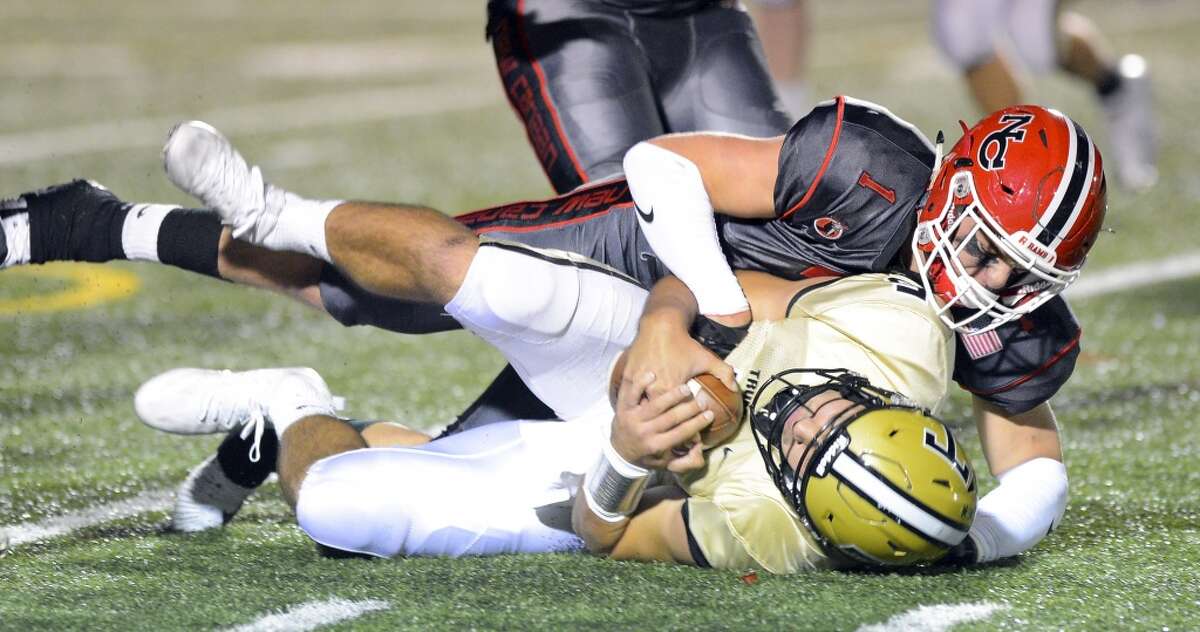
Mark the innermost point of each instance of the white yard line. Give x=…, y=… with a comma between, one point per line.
x=153, y=500
x=1134, y=275
x=279, y=116
x=935, y=618
x=312, y=615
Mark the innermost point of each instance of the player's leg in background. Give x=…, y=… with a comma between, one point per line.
x=966, y=33
x=1122, y=85
x=501, y=489
x=577, y=81
x=785, y=30
x=1043, y=37
x=721, y=83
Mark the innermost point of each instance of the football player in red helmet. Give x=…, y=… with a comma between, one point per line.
x=1012, y=212
x=841, y=193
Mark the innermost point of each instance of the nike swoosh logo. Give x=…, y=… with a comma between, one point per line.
x=141, y=211
x=647, y=216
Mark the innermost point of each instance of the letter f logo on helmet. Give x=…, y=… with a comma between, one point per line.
x=995, y=145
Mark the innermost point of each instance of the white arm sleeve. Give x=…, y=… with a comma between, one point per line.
x=1023, y=509
x=677, y=218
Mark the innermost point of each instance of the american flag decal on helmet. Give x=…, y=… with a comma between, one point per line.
x=981, y=345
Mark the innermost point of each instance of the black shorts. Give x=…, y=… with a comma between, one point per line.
x=589, y=79
x=597, y=221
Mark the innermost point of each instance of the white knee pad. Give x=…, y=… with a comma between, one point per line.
x=338, y=507
x=966, y=30
x=560, y=319
x=1032, y=27
x=513, y=291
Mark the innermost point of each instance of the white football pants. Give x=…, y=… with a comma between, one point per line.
x=506, y=487
x=561, y=320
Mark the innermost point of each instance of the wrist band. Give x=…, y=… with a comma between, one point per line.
x=614, y=486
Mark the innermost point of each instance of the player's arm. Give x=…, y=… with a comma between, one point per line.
x=656, y=532
x=1024, y=453
x=678, y=182
x=612, y=513
x=737, y=172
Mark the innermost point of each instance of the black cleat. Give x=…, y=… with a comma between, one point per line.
x=77, y=221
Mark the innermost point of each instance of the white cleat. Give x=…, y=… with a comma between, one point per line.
x=203, y=401
x=1131, y=125
x=207, y=499
x=204, y=164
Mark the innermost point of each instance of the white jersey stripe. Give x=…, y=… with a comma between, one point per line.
x=1063, y=184
x=1081, y=198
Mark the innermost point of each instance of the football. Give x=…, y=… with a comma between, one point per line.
x=726, y=405
x=710, y=392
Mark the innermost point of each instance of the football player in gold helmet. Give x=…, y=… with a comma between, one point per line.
x=828, y=469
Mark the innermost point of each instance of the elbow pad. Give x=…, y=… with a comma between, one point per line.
x=1023, y=509
x=677, y=218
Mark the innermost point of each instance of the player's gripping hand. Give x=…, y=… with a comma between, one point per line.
x=659, y=431
x=665, y=349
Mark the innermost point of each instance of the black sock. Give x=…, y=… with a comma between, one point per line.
x=189, y=239
x=1109, y=83
x=234, y=457
x=80, y=224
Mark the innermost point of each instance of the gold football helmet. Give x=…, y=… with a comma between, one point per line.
x=882, y=482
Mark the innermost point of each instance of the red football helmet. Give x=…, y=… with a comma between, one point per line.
x=1028, y=180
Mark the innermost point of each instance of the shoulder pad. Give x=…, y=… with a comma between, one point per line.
x=1022, y=363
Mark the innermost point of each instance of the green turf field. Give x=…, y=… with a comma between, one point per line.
x=404, y=104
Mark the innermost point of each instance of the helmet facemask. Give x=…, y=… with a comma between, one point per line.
x=770, y=420
x=938, y=246
x=831, y=456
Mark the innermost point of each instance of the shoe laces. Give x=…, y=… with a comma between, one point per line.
x=257, y=424
x=227, y=410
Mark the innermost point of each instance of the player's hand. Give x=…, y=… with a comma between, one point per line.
x=659, y=431
x=673, y=356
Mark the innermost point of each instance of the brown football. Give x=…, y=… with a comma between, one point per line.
x=725, y=404
x=710, y=392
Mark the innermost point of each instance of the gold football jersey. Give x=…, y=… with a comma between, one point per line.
x=873, y=324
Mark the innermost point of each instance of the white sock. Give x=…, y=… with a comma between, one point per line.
x=288, y=404
x=139, y=234
x=16, y=237
x=301, y=223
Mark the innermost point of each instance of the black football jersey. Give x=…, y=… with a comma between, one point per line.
x=663, y=8
x=851, y=175
x=1021, y=363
